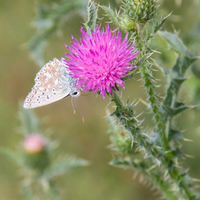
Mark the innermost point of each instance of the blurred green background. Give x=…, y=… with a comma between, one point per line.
x=88, y=140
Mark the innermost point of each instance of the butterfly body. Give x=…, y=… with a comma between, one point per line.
x=52, y=83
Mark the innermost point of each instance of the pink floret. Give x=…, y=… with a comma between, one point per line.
x=100, y=60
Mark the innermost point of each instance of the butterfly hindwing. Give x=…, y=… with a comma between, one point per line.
x=52, y=83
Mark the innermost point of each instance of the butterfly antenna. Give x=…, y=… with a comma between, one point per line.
x=74, y=102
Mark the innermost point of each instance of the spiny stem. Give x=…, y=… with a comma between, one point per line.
x=166, y=159
x=160, y=123
x=52, y=191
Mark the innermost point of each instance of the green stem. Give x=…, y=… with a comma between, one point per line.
x=167, y=160
x=51, y=191
x=158, y=180
x=160, y=123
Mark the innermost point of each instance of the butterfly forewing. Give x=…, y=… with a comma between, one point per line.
x=52, y=83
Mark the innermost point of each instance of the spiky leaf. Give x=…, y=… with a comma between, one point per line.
x=60, y=167
x=30, y=122
x=49, y=19
x=15, y=157
x=174, y=42
x=114, y=17
x=92, y=16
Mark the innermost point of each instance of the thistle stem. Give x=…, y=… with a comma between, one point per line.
x=157, y=154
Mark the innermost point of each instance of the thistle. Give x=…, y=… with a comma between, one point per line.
x=100, y=60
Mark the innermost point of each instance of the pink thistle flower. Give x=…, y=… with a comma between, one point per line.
x=34, y=143
x=100, y=60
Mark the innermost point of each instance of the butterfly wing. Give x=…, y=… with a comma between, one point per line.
x=52, y=83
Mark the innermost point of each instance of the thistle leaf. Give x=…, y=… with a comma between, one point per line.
x=178, y=77
x=183, y=63
x=37, y=46
x=92, y=16
x=16, y=158
x=177, y=108
x=114, y=17
x=174, y=42
x=175, y=135
x=48, y=21
x=30, y=122
x=28, y=194
x=159, y=25
x=61, y=167
x=143, y=59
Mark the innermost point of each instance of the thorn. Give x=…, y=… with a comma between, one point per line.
x=139, y=115
x=187, y=140
x=195, y=179
x=152, y=167
x=189, y=156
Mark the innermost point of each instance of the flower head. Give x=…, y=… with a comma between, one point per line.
x=100, y=60
x=34, y=143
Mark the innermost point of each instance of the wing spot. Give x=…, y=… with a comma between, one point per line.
x=34, y=92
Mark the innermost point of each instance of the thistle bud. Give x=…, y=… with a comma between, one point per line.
x=36, y=155
x=34, y=143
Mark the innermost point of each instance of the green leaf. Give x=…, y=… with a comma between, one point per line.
x=37, y=46
x=176, y=109
x=15, y=157
x=174, y=42
x=178, y=152
x=92, y=16
x=178, y=77
x=143, y=59
x=175, y=135
x=114, y=17
x=182, y=64
x=28, y=194
x=30, y=122
x=61, y=167
x=49, y=20
x=159, y=25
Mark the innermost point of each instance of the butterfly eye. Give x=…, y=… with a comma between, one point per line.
x=75, y=94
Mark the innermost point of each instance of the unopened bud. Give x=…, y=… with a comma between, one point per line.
x=34, y=143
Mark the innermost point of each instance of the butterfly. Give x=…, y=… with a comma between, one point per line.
x=52, y=83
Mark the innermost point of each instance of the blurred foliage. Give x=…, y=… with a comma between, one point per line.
x=40, y=168
x=49, y=20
